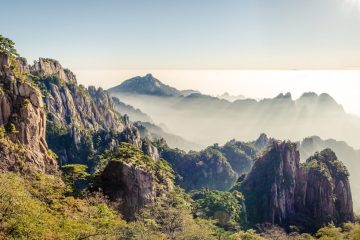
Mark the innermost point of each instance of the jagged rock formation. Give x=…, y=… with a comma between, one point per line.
x=23, y=147
x=134, y=179
x=132, y=188
x=278, y=190
x=75, y=113
x=51, y=67
x=70, y=104
x=262, y=141
x=348, y=155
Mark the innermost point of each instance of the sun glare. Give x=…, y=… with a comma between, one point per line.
x=354, y=3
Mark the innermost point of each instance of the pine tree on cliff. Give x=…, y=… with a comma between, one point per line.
x=7, y=46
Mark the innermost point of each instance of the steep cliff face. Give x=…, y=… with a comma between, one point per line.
x=69, y=103
x=75, y=114
x=134, y=179
x=23, y=146
x=270, y=186
x=50, y=67
x=132, y=188
x=328, y=193
x=279, y=190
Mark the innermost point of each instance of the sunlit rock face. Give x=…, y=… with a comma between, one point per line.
x=278, y=190
x=76, y=113
x=23, y=148
x=46, y=66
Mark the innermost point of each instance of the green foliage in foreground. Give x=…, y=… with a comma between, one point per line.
x=76, y=177
x=224, y=207
x=36, y=208
x=132, y=155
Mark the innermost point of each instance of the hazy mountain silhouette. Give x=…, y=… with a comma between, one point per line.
x=206, y=119
x=147, y=85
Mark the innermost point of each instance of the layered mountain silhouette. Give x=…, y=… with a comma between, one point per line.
x=147, y=85
x=129, y=160
x=206, y=119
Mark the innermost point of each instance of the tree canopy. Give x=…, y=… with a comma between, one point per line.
x=7, y=46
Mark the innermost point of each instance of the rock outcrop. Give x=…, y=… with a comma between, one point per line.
x=133, y=188
x=71, y=104
x=51, y=67
x=134, y=179
x=75, y=114
x=23, y=146
x=278, y=190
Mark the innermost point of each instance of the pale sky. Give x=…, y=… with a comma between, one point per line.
x=99, y=40
x=186, y=34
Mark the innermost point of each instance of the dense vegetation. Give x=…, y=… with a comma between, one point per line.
x=36, y=207
x=40, y=207
x=71, y=204
x=216, y=167
x=226, y=208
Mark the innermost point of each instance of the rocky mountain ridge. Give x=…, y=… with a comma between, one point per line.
x=279, y=190
x=23, y=121
x=206, y=119
x=76, y=114
x=82, y=124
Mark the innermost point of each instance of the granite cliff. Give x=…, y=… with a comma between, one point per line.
x=279, y=190
x=23, y=121
x=133, y=179
x=80, y=117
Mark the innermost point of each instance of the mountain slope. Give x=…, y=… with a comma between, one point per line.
x=215, y=167
x=23, y=147
x=147, y=85
x=205, y=119
x=154, y=132
x=82, y=123
x=133, y=113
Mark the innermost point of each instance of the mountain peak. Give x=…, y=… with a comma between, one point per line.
x=147, y=85
x=284, y=96
x=149, y=75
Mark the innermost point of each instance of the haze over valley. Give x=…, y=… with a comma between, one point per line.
x=180, y=120
x=206, y=119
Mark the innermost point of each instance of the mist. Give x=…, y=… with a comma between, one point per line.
x=206, y=120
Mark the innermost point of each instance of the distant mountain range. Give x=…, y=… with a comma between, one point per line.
x=155, y=132
x=230, y=98
x=206, y=119
x=148, y=85
x=90, y=153
x=133, y=113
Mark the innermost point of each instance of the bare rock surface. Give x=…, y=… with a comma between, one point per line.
x=278, y=190
x=23, y=146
